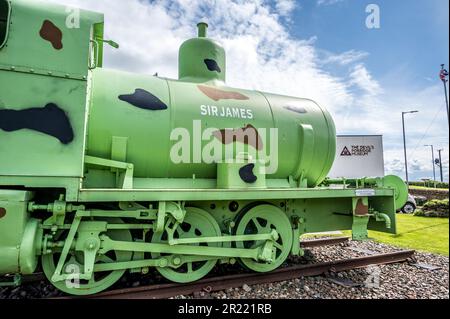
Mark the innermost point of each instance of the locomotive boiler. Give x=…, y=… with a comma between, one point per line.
x=104, y=172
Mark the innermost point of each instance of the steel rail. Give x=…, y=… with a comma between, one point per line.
x=323, y=242
x=225, y=282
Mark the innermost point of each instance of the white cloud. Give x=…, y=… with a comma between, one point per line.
x=345, y=58
x=419, y=166
x=285, y=7
x=361, y=78
x=260, y=52
x=327, y=2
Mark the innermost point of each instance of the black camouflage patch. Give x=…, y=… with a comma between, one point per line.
x=144, y=100
x=212, y=65
x=50, y=120
x=247, y=175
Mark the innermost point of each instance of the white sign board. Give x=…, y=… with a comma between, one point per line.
x=358, y=156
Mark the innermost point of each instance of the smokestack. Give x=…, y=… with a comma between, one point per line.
x=202, y=59
x=202, y=28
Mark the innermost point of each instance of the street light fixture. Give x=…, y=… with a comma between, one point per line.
x=432, y=161
x=404, y=144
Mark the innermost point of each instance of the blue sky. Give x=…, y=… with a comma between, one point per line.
x=413, y=35
x=318, y=49
x=404, y=54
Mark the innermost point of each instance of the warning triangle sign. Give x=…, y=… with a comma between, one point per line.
x=346, y=152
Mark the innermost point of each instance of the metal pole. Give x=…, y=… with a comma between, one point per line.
x=446, y=101
x=404, y=149
x=432, y=162
x=443, y=75
x=440, y=165
x=404, y=145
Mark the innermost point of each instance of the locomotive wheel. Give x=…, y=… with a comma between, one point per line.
x=197, y=223
x=263, y=219
x=100, y=280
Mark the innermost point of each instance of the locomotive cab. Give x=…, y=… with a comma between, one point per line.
x=42, y=116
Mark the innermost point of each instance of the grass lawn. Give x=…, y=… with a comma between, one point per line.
x=420, y=233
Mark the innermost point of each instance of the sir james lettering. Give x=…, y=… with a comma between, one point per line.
x=225, y=111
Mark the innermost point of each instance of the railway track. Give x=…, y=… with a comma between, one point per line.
x=160, y=291
x=323, y=242
x=39, y=276
x=213, y=284
x=225, y=282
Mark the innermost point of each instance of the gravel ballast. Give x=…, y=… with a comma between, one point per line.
x=394, y=281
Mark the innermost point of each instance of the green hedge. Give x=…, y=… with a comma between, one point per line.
x=429, y=184
x=433, y=208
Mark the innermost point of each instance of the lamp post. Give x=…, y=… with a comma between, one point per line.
x=440, y=164
x=432, y=161
x=443, y=75
x=404, y=145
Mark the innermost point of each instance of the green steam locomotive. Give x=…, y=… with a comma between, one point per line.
x=103, y=172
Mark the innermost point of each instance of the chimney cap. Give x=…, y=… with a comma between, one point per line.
x=202, y=27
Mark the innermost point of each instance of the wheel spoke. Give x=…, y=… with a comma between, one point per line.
x=277, y=245
x=189, y=267
x=259, y=227
x=181, y=233
x=105, y=259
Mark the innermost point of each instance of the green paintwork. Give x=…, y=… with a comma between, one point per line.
x=228, y=174
x=20, y=235
x=197, y=223
x=264, y=219
x=112, y=200
x=360, y=220
x=33, y=74
x=389, y=181
x=193, y=52
x=100, y=281
x=359, y=227
x=304, y=149
x=401, y=190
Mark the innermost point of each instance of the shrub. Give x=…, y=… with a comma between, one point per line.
x=420, y=200
x=419, y=212
x=434, y=208
x=437, y=204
